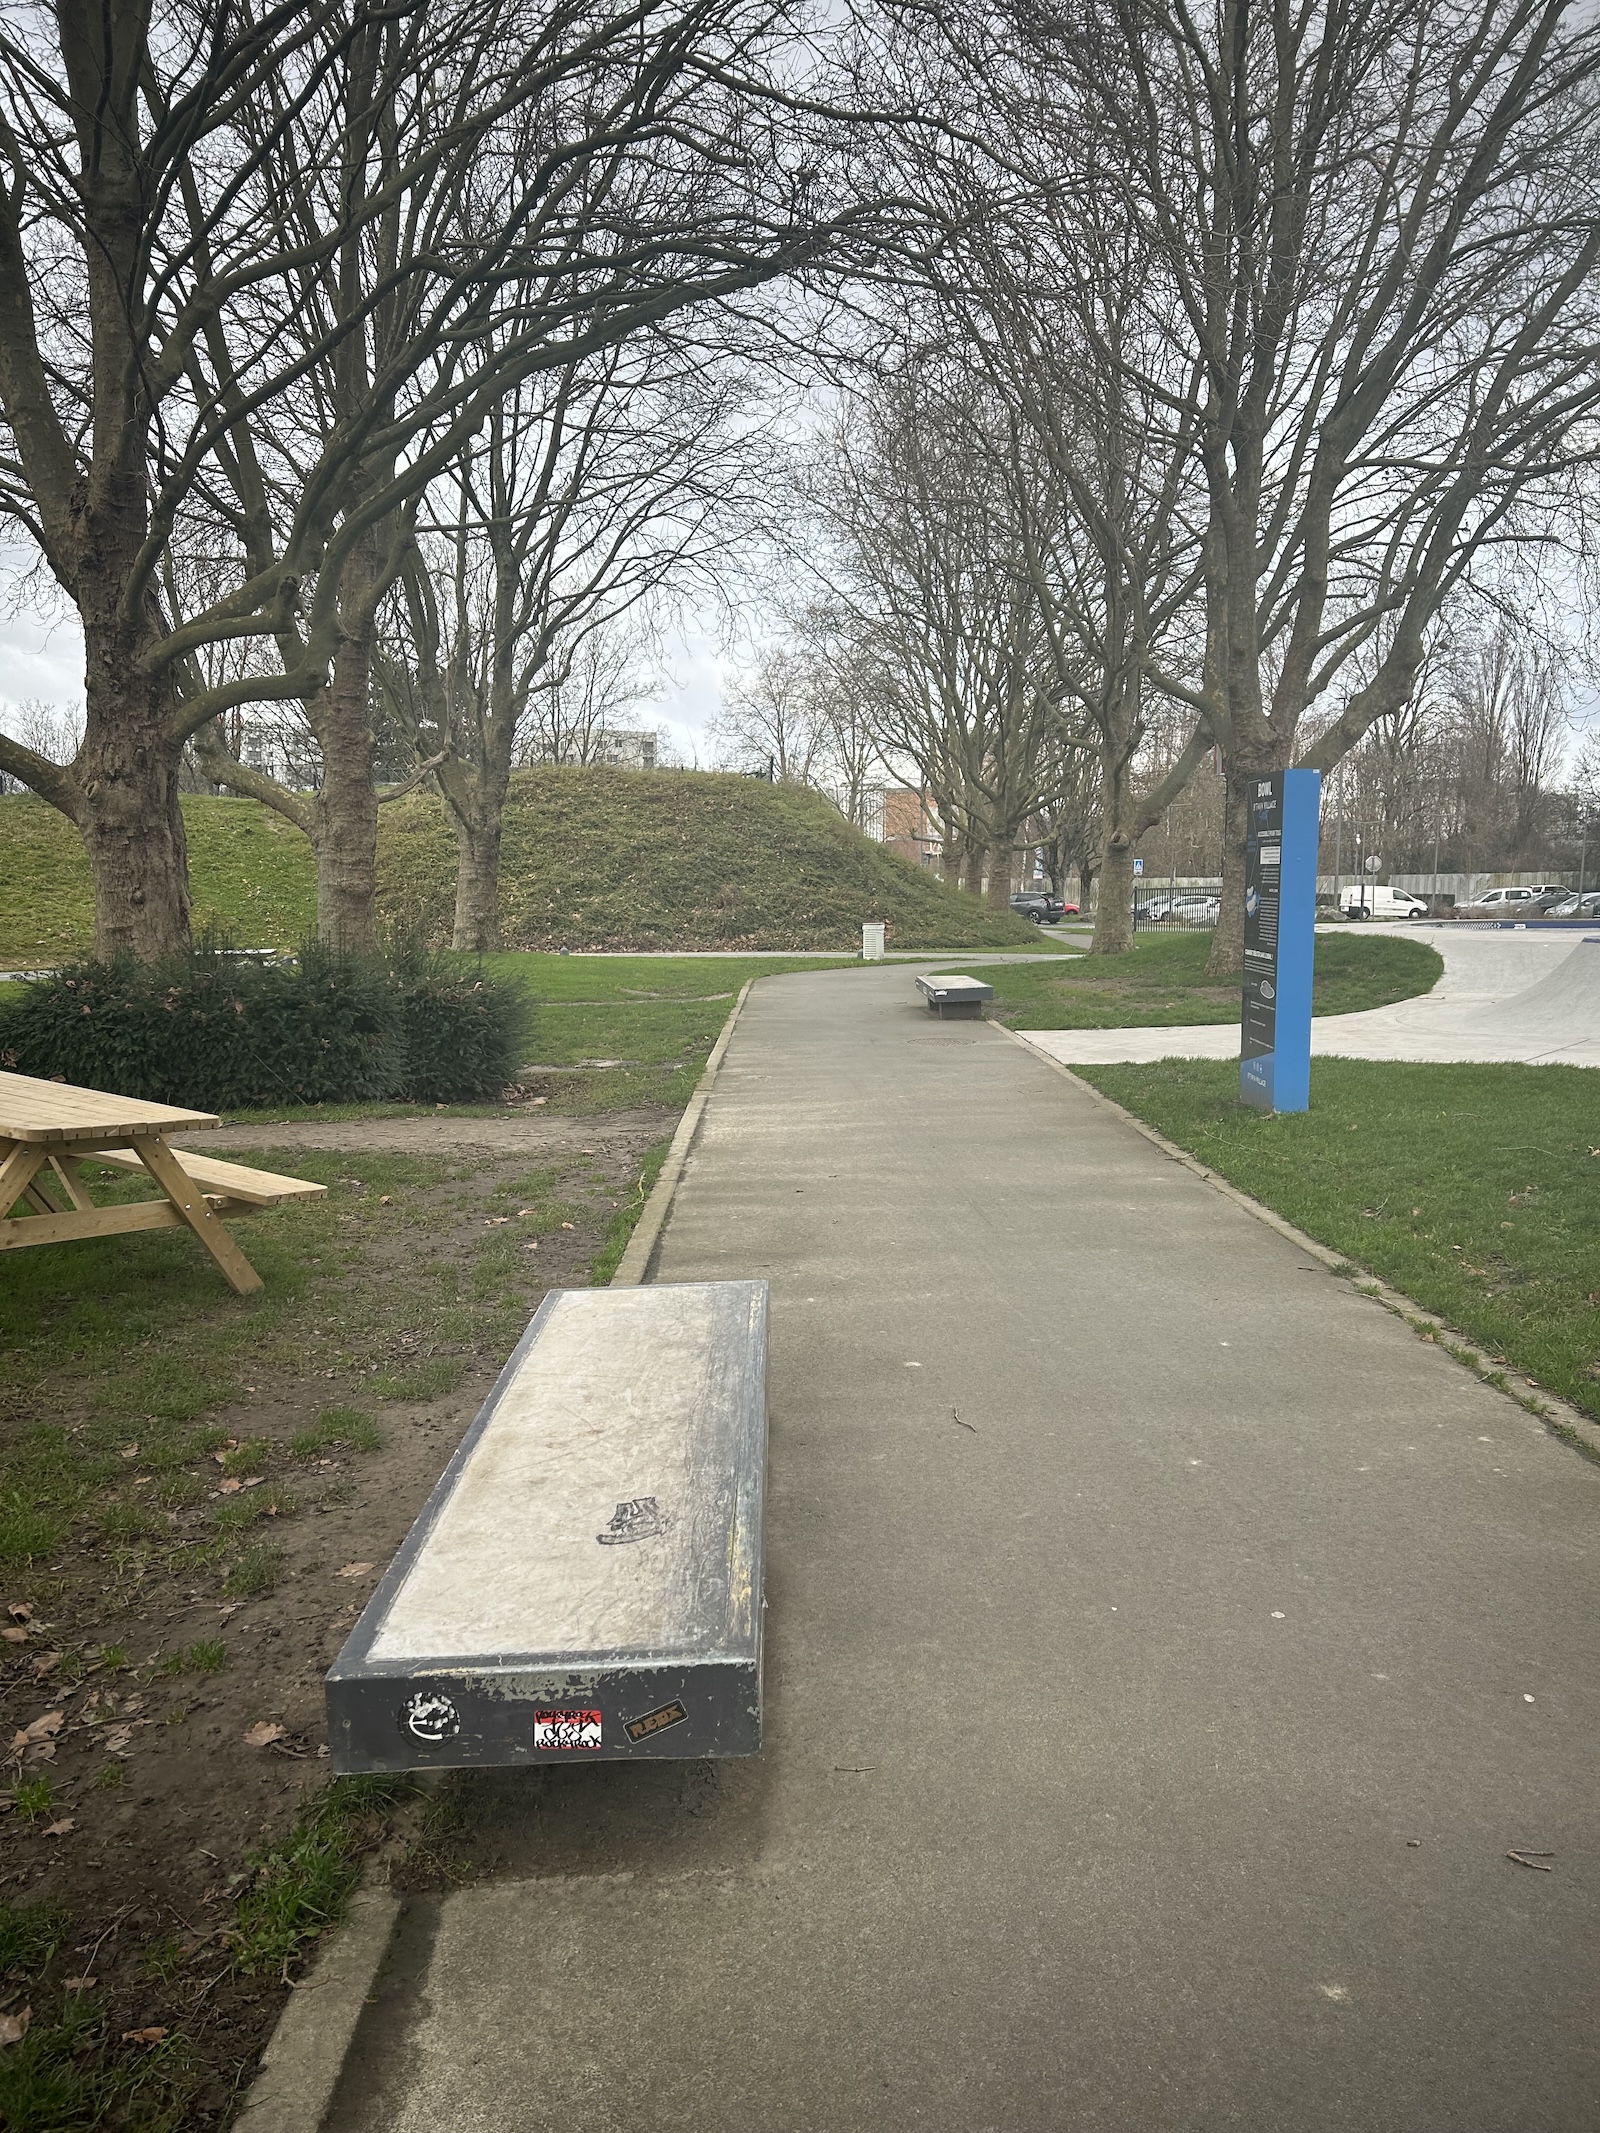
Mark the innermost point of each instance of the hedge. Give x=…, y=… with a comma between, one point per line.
x=221, y=1032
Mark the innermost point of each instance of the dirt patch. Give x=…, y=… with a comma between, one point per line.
x=511, y=1133
x=166, y=1720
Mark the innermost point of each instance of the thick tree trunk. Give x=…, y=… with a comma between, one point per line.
x=972, y=880
x=478, y=833
x=126, y=773
x=999, y=894
x=346, y=837
x=1113, y=921
x=1226, y=959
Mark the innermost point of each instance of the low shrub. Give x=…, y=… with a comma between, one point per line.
x=220, y=1032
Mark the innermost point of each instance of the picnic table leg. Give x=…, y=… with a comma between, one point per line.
x=19, y=1164
x=197, y=1211
x=76, y=1196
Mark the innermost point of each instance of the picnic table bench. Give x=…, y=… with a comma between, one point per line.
x=48, y=1127
x=584, y=1583
x=955, y=995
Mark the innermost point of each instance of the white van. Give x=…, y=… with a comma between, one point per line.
x=1369, y=899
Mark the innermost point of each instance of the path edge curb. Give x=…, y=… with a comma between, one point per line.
x=1570, y=1424
x=305, y=2055
x=634, y=1265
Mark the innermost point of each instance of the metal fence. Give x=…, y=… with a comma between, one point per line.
x=1176, y=906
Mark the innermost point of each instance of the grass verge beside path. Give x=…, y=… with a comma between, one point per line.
x=198, y=1492
x=1474, y=1190
x=1162, y=981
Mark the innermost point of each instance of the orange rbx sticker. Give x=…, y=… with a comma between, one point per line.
x=670, y=1714
x=566, y=1729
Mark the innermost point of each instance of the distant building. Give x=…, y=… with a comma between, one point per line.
x=900, y=817
x=622, y=748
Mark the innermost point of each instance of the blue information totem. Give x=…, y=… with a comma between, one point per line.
x=1280, y=906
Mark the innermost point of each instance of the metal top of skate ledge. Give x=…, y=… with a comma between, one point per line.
x=604, y=1508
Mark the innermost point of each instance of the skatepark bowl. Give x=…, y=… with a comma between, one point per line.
x=1530, y=998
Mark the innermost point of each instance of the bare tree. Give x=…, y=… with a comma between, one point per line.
x=770, y=722
x=262, y=275
x=933, y=569
x=590, y=493
x=1369, y=239
x=583, y=696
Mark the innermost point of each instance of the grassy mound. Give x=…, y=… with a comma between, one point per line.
x=250, y=874
x=680, y=859
x=591, y=859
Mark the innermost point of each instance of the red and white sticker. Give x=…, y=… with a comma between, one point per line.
x=566, y=1729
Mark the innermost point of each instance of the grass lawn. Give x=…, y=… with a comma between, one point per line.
x=197, y=1493
x=1475, y=1190
x=1162, y=980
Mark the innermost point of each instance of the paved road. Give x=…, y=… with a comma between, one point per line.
x=1142, y=1755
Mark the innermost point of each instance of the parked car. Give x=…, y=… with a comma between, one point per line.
x=1370, y=899
x=1573, y=906
x=1498, y=903
x=1042, y=907
x=1191, y=909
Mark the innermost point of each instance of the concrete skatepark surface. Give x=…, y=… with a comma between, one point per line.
x=1504, y=996
x=1165, y=1649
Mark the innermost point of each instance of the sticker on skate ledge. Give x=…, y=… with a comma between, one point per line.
x=640, y=1518
x=430, y=1717
x=566, y=1729
x=669, y=1714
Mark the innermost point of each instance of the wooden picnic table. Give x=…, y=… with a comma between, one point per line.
x=47, y=1127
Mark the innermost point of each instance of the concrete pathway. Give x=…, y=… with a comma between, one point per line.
x=1166, y=1648
x=1529, y=998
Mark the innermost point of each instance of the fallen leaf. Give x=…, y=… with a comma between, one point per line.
x=44, y=1728
x=229, y=1488
x=537, y=1100
x=118, y=1740
x=46, y=1663
x=143, y=2036
x=495, y=1221
x=80, y=1984
x=253, y=1481
x=384, y=1199
x=569, y=1225
x=20, y=1611
x=129, y=1451
x=354, y=1570
x=14, y=2027
x=62, y=1828
x=14, y=1636
x=533, y=1247
x=263, y=1735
